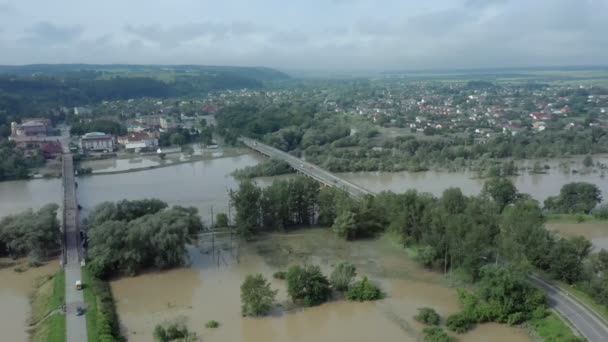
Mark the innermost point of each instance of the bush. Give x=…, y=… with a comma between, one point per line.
x=436, y=334
x=279, y=275
x=364, y=290
x=459, y=323
x=428, y=316
x=256, y=296
x=173, y=331
x=306, y=284
x=212, y=324
x=342, y=276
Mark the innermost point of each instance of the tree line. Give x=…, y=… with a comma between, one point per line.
x=31, y=233
x=129, y=236
x=14, y=164
x=492, y=239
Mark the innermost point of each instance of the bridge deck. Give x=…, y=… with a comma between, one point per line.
x=309, y=169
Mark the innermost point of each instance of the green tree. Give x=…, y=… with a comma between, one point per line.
x=177, y=139
x=257, y=297
x=36, y=233
x=587, y=161
x=306, y=284
x=247, y=203
x=221, y=220
x=501, y=190
x=342, y=276
x=345, y=226
x=575, y=198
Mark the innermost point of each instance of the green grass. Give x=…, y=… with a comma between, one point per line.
x=552, y=328
x=49, y=296
x=585, y=299
x=90, y=301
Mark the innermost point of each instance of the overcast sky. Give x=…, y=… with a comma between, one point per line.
x=307, y=34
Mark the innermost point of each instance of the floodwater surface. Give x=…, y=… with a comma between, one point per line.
x=209, y=289
x=596, y=232
x=15, y=291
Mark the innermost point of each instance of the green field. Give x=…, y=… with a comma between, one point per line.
x=49, y=297
x=552, y=328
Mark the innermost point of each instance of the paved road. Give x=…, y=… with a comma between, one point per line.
x=586, y=322
x=75, y=325
x=582, y=318
x=307, y=168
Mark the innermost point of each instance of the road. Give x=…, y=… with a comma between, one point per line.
x=309, y=169
x=75, y=325
x=584, y=320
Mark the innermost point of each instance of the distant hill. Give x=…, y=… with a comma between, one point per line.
x=255, y=73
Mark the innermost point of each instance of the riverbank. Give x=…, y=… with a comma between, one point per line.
x=101, y=317
x=47, y=318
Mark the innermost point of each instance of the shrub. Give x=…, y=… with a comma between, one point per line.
x=459, y=322
x=212, y=324
x=256, y=296
x=308, y=285
x=364, y=290
x=173, y=331
x=428, y=316
x=436, y=334
x=280, y=275
x=342, y=276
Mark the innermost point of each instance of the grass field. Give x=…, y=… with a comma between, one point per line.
x=49, y=296
x=552, y=328
x=90, y=301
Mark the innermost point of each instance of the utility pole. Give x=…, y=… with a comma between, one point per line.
x=211, y=217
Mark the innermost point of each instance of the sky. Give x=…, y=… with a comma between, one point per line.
x=310, y=34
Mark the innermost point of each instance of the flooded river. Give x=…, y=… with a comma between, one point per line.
x=596, y=232
x=207, y=290
x=15, y=289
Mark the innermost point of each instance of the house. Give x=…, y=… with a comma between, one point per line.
x=540, y=116
x=149, y=120
x=166, y=123
x=539, y=126
x=97, y=141
x=82, y=111
x=31, y=127
x=138, y=140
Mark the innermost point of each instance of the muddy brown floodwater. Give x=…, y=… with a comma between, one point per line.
x=15, y=291
x=596, y=232
x=210, y=289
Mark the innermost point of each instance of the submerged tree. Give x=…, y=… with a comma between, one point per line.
x=257, y=297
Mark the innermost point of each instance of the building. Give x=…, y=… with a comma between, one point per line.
x=138, y=140
x=82, y=111
x=97, y=141
x=148, y=120
x=166, y=123
x=31, y=127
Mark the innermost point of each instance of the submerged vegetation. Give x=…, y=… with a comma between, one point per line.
x=130, y=236
x=33, y=233
x=493, y=240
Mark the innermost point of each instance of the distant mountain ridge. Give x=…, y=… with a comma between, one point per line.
x=256, y=73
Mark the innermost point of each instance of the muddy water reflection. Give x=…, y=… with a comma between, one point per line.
x=15, y=289
x=205, y=291
x=17, y=196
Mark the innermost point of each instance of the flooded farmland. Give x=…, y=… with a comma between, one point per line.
x=596, y=232
x=208, y=290
x=15, y=291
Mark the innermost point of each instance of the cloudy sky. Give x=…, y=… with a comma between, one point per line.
x=307, y=34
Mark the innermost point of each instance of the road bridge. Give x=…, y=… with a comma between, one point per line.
x=76, y=328
x=311, y=170
x=587, y=322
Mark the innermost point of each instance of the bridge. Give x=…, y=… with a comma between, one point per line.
x=311, y=170
x=76, y=328
x=581, y=317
